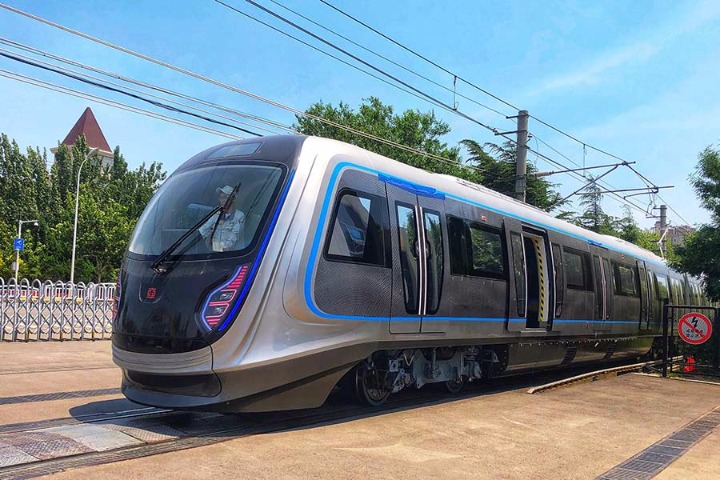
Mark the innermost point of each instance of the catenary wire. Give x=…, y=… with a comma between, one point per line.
x=251, y=95
x=258, y=97
x=137, y=91
x=419, y=55
x=309, y=45
x=372, y=52
x=433, y=100
x=66, y=90
x=673, y=210
x=356, y=20
x=156, y=88
x=227, y=86
x=129, y=94
x=471, y=84
x=86, y=96
x=427, y=97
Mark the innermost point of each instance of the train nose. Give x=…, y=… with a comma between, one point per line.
x=169, y=380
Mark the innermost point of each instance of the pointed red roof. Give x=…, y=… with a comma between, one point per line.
x=87, y=125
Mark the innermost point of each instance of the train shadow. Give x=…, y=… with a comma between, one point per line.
x=153, y=424
x=338, y=409
x=103, y=407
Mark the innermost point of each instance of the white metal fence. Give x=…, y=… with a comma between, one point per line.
x=42, y=311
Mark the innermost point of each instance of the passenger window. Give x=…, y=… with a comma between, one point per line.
x=519, y=271
x=358, y=230
x=625, y=280
x=433, y=237
x=662, y=287
x=559, y=279
x=408, y=240
x=577, y=270
x=475, y=250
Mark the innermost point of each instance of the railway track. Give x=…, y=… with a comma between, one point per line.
x=150, y=431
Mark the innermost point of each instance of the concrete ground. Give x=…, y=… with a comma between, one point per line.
x=573, y=432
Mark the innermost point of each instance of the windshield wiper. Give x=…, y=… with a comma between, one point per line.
x=157, y=264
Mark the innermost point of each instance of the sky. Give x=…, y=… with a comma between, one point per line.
x=637, y=80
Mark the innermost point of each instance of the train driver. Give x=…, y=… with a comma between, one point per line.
x=230, y=226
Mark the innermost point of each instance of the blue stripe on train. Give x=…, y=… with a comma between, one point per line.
x=427, y=191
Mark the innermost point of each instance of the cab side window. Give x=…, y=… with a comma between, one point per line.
x=358, y=230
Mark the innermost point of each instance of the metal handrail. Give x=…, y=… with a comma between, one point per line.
x=45, y=310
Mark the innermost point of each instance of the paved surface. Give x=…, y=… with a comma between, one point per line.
x=575, y=432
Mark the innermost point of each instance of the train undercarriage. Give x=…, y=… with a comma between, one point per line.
x=383, y=373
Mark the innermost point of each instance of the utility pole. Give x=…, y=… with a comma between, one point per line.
x=663, y=224
x=92, y=152
x=521, y=165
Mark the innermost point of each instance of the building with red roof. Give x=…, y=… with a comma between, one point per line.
x=88, y=126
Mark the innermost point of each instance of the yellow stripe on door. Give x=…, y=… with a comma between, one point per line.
x=541, y=279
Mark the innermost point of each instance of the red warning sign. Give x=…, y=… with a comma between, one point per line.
x=695, y=328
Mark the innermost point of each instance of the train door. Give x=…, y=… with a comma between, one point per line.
x=609, y=293
x=418, y=258
x=405, y=244
x=645, y=307
x=533, y=273
x=518, y=283
x=432, y=212
x=600, y=293
x=655, y=309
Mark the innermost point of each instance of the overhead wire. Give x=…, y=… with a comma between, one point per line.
x=672, y=209
x=129, y=94
x=426, y=96
x=122, y=106
x=309, y=45
x=419, y=55
x=482, y=90
x=464, y=80
x=268, y=101
x=42, y=53
x=389, y=60
x=118, y=85
x=229, y=87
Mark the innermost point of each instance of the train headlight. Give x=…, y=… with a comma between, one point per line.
x=218, y=303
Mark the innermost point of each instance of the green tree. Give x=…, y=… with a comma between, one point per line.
x=496, y=169
x=104, y=229
x=111, y=200
x=593, y=217
x=701, y=254
x=422, y=131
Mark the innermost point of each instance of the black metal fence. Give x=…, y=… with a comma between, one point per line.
x=691, y=340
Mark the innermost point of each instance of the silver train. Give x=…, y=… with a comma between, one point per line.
x=265, y=273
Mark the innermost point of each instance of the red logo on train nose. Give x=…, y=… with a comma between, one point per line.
x=151, y=293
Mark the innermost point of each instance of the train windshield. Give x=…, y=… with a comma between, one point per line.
x=244, y=190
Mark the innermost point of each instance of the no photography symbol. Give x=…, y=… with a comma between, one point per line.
x=695, y=328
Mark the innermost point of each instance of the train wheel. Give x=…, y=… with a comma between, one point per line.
x=454, y=386
x=370, y=388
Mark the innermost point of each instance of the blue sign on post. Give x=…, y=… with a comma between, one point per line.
x=19, y=244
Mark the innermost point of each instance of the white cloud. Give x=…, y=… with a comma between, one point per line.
x=641, y=51
x=666, y=135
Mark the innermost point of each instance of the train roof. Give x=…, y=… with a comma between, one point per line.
x=282, y=148
x=287, y=146
x=489, y=199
